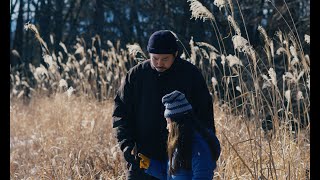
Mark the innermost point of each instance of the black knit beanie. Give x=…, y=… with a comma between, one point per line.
x=162, y=42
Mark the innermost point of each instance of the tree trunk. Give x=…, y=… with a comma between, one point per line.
x=18, y=37
x=59, y=23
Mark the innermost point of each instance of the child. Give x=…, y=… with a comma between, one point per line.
x=192, y=150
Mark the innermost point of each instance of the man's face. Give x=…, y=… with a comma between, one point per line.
x=161, y=62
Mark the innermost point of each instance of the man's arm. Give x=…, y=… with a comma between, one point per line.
x=202, y=102
x=122, y=118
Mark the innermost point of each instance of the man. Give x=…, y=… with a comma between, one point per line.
x=138, y=109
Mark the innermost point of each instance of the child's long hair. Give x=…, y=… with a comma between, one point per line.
x=179, y=144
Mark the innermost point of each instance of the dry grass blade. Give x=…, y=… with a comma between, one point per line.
x=135, y=49
x=245, y=164
x=220, y=3
x=234, y=25
x=307, y=38
x=32, y=27
x=15, y=53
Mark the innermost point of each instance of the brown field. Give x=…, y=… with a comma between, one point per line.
x=72, y=138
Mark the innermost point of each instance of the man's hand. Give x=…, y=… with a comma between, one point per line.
x=144, y=161
x=128, y=156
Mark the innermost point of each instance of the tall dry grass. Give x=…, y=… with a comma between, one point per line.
x=268, y=90
x=85, y=69
x=65, y=137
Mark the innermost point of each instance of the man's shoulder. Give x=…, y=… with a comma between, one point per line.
x=187, y=64
x=140, y=67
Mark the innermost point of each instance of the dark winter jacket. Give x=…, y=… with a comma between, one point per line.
x=202, y=163
x=139, y=113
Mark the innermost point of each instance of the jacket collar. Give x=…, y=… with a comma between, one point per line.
x=171, y=69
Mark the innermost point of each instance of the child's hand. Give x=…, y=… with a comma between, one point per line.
x=144, y=161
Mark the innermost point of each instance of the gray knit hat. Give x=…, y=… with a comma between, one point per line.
x=176, y=104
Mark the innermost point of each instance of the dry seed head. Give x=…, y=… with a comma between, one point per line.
x=25, y=84
x=294, y=61
x=287, y=95
x=14, y=91
x=285, y=42
x=20, y=94
x=299, y=76
x=82, y=61
x=80, y=50
x=238, y=88
x=234, y=25
x=281, y=50
x=307, y=59
x=308, y=82
x=32, y=27
x=267, y=40
x=54, y=57
x=223, y=60
x=51, y=39
x=228, y=80
x=271, y=48
x=307, y=38
x=60, y=55
x=273, y=76
x=214, y=82
x=17, y=79
x=299, y=95
x=266, y=82
x=231, y=7
x=134, y=49
x=293, y=51
x=279, y=34
x=70, y=91
x=43, y=44
x=63, y=47
x=90, y=53
x=220, y=3
x=48, y=60
x=15, y=53
x=239, y=42
x=205, y=54
x=183, y=55
x=40, y=71
x=199, y=11
x=193, y=51
x=110, y=44
x=263, y=32
x=213, y=57
x=212, y=48
x=265, y=77
x=63, y=83
x=288, y=75
x=233, y=60
x=242, y=45
x=213, y=52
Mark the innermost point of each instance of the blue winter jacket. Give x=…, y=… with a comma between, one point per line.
x=202, y=163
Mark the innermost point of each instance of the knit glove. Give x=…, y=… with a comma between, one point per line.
x=144, y=161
